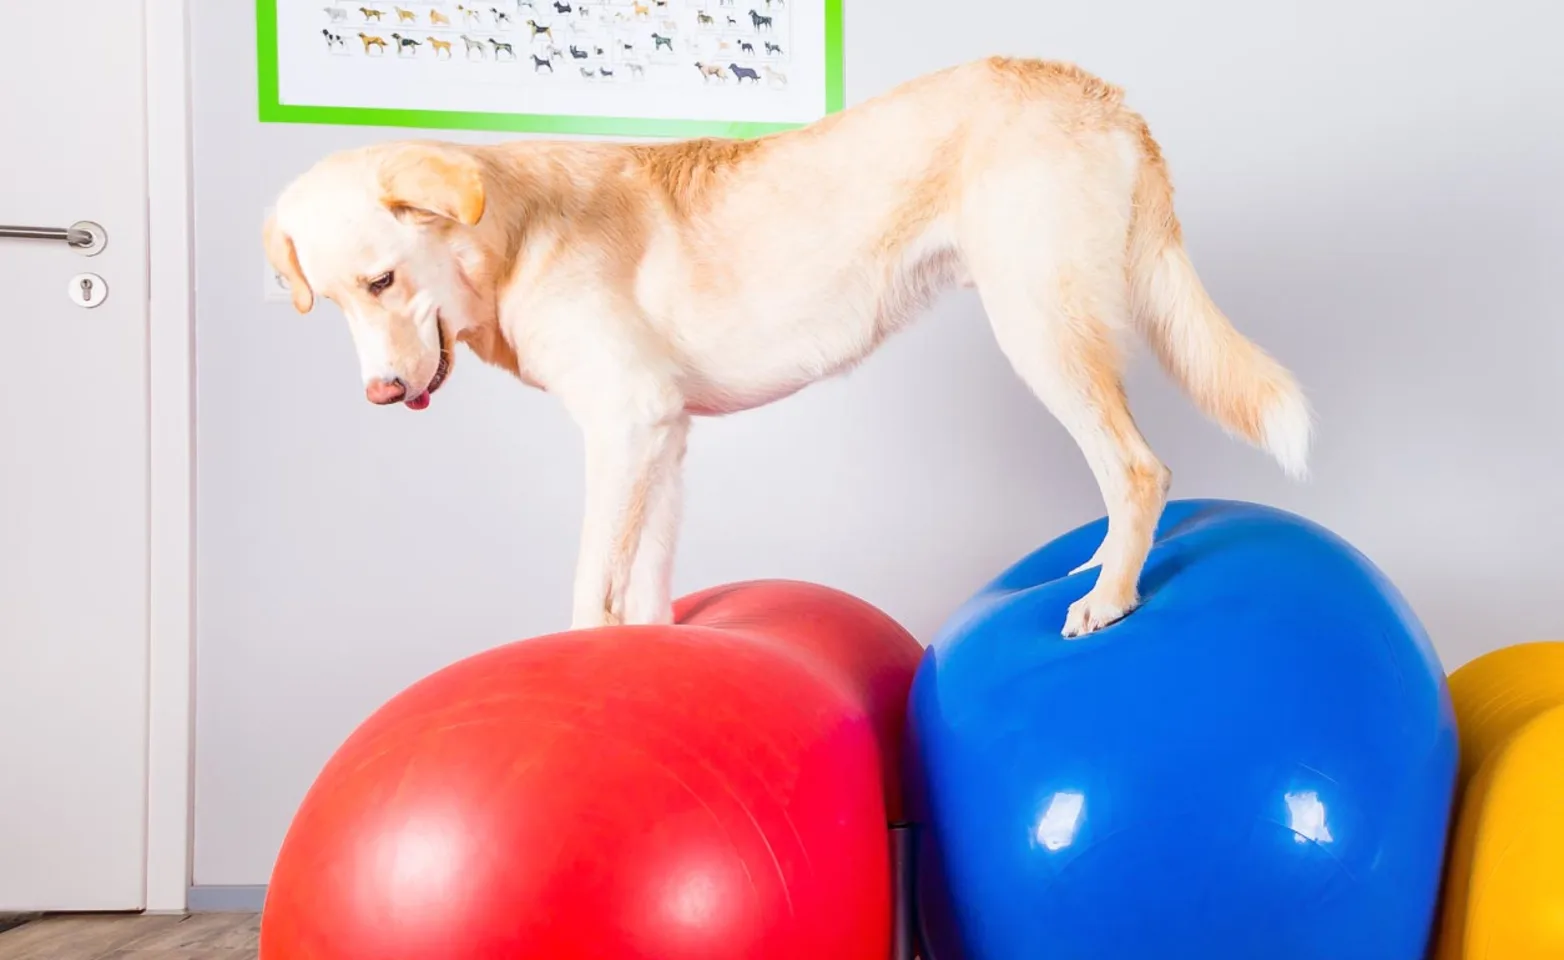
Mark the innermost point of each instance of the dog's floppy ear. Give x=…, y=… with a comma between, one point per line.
x=432, y=179
x=285, y=260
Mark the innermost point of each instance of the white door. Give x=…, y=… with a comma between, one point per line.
x=73, y=462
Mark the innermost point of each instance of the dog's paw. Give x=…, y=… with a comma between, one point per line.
x=1093, y=612
x=651, y=616
x=648, y=607
x=590, y=616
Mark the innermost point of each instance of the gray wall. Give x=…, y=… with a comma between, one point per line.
x=1371, y=189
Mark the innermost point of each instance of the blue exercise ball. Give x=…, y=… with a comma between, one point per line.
x=1256, y=764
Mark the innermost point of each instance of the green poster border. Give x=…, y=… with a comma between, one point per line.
x=274, y=111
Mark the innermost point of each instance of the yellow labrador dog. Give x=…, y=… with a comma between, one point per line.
x=645, y=283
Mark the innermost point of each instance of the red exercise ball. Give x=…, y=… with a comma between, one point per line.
x=713, y=789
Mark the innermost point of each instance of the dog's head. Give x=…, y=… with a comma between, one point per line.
x=386, y=233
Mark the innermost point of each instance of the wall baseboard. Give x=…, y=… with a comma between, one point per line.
x=10, y=920
x=226, y=899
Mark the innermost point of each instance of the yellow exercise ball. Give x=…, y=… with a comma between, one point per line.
x=1497, y=693
x=1504, y=880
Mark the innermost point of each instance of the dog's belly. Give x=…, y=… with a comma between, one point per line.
x=748, y=360
x=706, y=399
x=768, y=345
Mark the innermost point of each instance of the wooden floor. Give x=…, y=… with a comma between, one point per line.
x=202, y=936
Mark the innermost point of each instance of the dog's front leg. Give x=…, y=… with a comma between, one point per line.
x=632, y=509
x=649, y=598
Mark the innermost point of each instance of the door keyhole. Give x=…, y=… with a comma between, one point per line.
x=87, y=290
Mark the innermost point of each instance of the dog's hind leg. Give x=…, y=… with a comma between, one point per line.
x=1052, y=282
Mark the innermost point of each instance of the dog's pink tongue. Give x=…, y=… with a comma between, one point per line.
x=419, y=402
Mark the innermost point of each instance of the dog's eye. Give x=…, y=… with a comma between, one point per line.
x=381, y=283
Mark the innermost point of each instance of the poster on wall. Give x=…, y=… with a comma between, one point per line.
x=647, y=68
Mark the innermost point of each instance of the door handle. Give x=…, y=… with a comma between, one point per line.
x=83, y=236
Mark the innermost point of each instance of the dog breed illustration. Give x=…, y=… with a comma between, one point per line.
x=705, y=20
x=405, y=44
x=774, y=76
x=470, y=16
x=371, y=41
x=577, y=53
x=561, y=7
x=553, y=53
x=440, y=46
x=588, y=73
x=540, y=31
x=641, y=10
x=439, y=19
x=501, y=46
x=732, y=22
x=501, y=18
x=760, y=22
x=336, y=14
x=472, y=45
x=605, y=71
x=637, y=70
x=658, y=40
x=592, y=271
x=773, y=49
x=744, y=73
x=370, y=13
x=538, y=63
x=712, y=70
x=332, y=39
x=405, y=16
x=746, y=46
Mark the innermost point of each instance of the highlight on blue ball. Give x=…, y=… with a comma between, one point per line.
x=1256, y=763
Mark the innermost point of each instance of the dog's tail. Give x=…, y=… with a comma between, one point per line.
x=1227, y=376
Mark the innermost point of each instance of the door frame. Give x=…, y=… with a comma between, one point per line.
x=171, y=458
